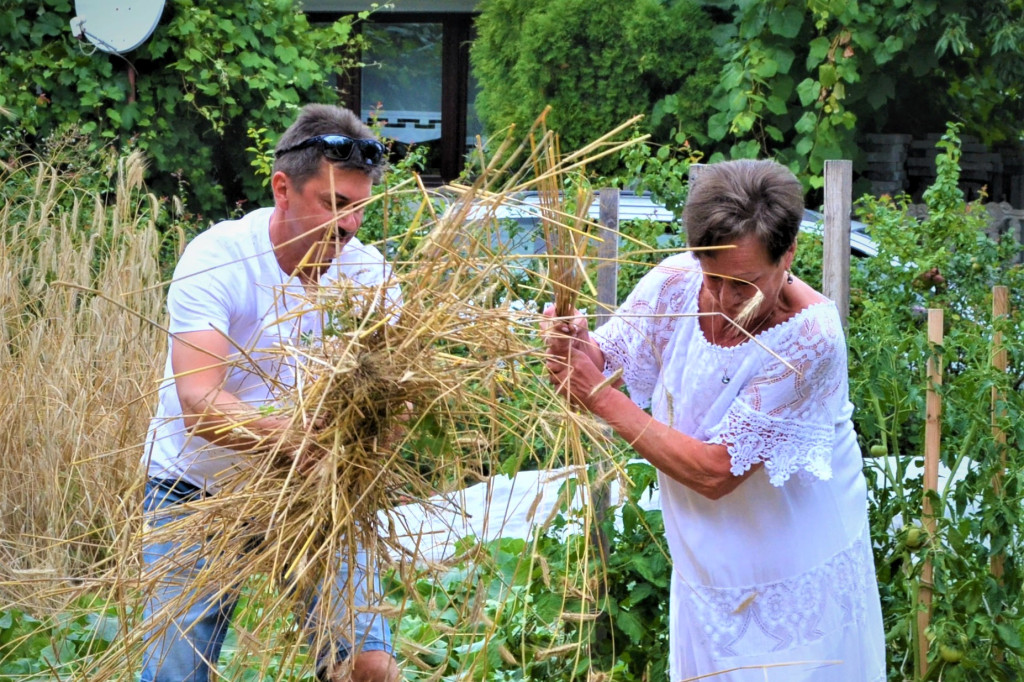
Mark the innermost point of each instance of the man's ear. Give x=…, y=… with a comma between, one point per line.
x=281, y=186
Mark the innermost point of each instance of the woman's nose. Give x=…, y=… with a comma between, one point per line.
x=733, y=296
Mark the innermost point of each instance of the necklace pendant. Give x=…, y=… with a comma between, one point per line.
x=725, y=379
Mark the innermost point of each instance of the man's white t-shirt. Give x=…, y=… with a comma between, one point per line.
x=228, y=279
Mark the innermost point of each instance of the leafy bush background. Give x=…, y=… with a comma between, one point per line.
x=793, y=80
x=973, y=613
x=211, y=81
x=596, y=64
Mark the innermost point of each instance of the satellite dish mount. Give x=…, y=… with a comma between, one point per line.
x=116, y=27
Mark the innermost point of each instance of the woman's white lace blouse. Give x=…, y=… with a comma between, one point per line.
x=780, y=571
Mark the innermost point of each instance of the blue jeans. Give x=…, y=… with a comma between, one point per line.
x=183, y=646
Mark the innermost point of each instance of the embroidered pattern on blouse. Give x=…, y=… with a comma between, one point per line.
x=786, y=447
x=642, y=327
x=816, y=359
x=789, y=613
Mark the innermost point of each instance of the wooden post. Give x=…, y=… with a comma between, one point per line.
x=835, y=274
x=608, y=254
x=607, y=299
x=1000, y=308
x=932, y=440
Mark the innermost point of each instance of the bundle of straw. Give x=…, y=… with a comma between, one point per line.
x=399, y=403
x=565, y=232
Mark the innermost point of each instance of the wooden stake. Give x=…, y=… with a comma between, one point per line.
x=932, y=439
x=836, y=257
x=608, y=254
x=607, y=294
x=1000, y=308
x=607, y=299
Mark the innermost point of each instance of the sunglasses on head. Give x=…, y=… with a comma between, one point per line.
x=340, y=148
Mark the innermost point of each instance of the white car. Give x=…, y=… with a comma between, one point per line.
x=525, y=212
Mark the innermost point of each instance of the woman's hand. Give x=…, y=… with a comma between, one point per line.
x=571, y=358
x=560, y=334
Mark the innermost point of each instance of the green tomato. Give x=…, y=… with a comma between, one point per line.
x=878, y=450
x=914, y=538
x=950, y=653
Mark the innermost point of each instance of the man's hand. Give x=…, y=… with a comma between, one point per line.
x=302, y=448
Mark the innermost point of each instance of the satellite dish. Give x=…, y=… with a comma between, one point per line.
x=114, y=25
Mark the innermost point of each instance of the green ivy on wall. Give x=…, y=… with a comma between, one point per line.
x=209, y=73
x=801, y=78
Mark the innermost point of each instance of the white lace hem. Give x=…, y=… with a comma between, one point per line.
x=786, y=447
x=774, y=617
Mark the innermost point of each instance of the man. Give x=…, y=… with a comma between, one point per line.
x=228, y=299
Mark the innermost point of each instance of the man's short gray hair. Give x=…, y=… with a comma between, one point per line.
x=321, y=119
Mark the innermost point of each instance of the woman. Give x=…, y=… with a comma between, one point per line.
x=765, y=506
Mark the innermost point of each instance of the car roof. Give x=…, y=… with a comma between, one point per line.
x=525, y=208
x=632, y=206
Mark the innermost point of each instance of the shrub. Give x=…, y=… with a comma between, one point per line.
x=208, y=74
x=596, y=64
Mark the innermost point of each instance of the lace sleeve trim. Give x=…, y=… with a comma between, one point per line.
x=786, y=447
x=640, y=385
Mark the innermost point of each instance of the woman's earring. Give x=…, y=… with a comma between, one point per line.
x=789, y=277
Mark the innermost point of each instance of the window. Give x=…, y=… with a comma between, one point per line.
x=416, y=82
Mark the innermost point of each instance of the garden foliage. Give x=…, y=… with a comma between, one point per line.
x=945, y=261
x=596, y=64
x=550, y=607
x=795, y=80
x=208, y=83
x=801, y=80
x=80, y=253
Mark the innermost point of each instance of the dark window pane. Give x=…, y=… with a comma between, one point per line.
x=401, y=82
